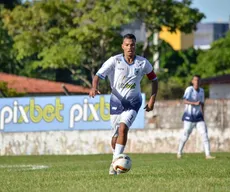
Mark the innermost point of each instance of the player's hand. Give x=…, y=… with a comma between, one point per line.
x=93, y=92
x=197, y=103
x=149, y=107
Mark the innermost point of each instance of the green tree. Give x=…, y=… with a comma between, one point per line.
x=7, y=55
x=72, y=35
x=169, y=13
x=80, y=36
x=216, y=60
x=8, y=92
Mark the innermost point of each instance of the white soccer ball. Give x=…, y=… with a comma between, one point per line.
x=122, y=163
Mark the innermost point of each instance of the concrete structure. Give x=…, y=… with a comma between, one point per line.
x=219, y=87
x=161, y=135
x=178, y=40
x=206, y=33
x=202, y=38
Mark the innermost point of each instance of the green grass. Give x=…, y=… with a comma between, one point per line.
x=150, y=172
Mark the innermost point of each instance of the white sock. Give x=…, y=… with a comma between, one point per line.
x=207, y=147
x=118, y=150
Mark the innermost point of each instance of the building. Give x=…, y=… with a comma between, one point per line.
x=178, y=40
x=219, y=87
x=40, y=87
x=206, y=33
x=202, y=38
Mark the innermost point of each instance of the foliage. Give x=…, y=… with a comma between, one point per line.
x=9, y=92
x=216, y=60
x=176, y=71
x=80, y=36
x=169, y=13
x=66, y=34
x=7, y=54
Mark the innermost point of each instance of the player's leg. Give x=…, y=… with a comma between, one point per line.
x=202, y=128
x=115, y=121
x=187, y=130
x=126, y=120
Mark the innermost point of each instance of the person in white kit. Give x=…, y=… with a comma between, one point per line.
x=194, y=116
x=125, y=72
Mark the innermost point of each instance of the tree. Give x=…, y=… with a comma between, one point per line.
x=7, y=62
x=169, y=13
x=216, y=60
x=66, y=34
x=78, y=36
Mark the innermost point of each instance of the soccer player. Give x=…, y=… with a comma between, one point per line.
x=125, y=72
x=194, y=116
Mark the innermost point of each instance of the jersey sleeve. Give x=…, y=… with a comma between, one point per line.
x=106, y=68
x=187, y=93
x=148, y=70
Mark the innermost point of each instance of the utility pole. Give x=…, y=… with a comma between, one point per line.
x=156, y=52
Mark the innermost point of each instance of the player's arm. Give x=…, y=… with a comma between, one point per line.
x=187, y=97
x=150, y=105
x=94, y=91
x=104, y=71
x=186, y=101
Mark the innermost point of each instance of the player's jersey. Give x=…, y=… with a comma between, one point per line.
x=125, y=81
x=193, y=113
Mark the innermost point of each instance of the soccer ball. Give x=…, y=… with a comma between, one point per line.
x=122, y=163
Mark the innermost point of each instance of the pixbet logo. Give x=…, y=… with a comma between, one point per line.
x=89, y=112
x=30, y=113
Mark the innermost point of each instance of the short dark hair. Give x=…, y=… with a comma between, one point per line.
x=129, y=36
x=198, y=76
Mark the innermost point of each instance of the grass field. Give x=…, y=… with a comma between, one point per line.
x=150, y=172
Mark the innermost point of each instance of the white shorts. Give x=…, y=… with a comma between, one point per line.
x=126, y=117
x=189, y=126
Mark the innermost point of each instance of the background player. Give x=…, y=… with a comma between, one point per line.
x=194, y=116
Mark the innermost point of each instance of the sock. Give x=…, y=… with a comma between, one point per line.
x=206, y=147
x=181, y=146
x=118, y=150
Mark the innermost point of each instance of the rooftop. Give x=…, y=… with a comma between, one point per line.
x=216, y=80
x=39, y=86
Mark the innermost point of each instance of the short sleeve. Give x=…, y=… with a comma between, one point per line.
x=148, y=68
x=187, y=93
x=106, y=68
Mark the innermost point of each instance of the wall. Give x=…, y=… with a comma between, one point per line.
x=161, y=134
x=178, y=40
x=219, y=91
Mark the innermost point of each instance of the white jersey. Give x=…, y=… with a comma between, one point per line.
x=193, y=113
x=125, y=81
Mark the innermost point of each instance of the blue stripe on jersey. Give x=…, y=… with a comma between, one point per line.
x=118, y=106
x=101, y=76
x=192, y=118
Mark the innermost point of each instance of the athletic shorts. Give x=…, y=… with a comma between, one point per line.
x=126, y=117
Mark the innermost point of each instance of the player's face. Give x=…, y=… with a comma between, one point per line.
x=196, y=82
x=129, y=47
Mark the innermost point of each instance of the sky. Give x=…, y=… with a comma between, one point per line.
x=215, y=10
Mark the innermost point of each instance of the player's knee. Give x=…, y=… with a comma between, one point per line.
x=123, y=130
x=186, y=136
